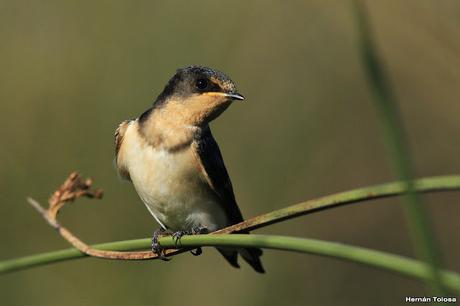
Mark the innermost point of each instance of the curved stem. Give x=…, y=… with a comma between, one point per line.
x=385, y=261
x=348, y=197
x=442, y=183
x=429, y=184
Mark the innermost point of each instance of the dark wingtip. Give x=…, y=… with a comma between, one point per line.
x=252, y=257
x=231, y=256
x=257, y=266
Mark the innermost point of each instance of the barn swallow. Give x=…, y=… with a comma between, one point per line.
x=174, y=162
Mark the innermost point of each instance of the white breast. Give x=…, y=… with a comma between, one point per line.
x=171, y=185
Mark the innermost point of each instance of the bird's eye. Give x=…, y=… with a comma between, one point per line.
x=201, y=84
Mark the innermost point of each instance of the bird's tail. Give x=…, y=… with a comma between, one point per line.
x=251, y=255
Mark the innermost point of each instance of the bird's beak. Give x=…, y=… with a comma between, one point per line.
x=231, y=96
x=235, y=96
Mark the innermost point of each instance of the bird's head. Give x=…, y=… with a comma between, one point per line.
x=196, y=95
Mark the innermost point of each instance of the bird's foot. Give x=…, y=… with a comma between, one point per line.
x=198, y=230
x=156, y=247
x=197, y=252
x=177, y=236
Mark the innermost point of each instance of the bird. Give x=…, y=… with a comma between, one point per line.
x=175, y=164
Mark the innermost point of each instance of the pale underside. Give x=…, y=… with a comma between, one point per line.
x=171, y=184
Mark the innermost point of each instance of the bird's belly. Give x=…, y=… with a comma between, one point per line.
x=173, y=189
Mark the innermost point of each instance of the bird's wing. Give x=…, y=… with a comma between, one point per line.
x=119, y=134
x=213, y=168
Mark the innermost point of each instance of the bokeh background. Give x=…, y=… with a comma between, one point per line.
x=72, y=70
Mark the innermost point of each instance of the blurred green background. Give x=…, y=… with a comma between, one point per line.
x=71, y=71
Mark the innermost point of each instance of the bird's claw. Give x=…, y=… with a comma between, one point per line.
x=196, y=252
x=198, y=230
x=156, y=247
x=160, y=251
x=177, y=236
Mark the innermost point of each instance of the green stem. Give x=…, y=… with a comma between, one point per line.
x=442, y=183
x=430, y=184
x=396, y=142
x=394, y=263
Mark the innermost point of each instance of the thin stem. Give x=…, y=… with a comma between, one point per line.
x=429, y=184
x=257, y=222
x=385, y=261
x=441, y=183
x=395, y=139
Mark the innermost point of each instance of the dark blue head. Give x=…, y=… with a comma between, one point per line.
x=197, y=80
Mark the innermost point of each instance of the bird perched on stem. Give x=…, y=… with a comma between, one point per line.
x=175, y=164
